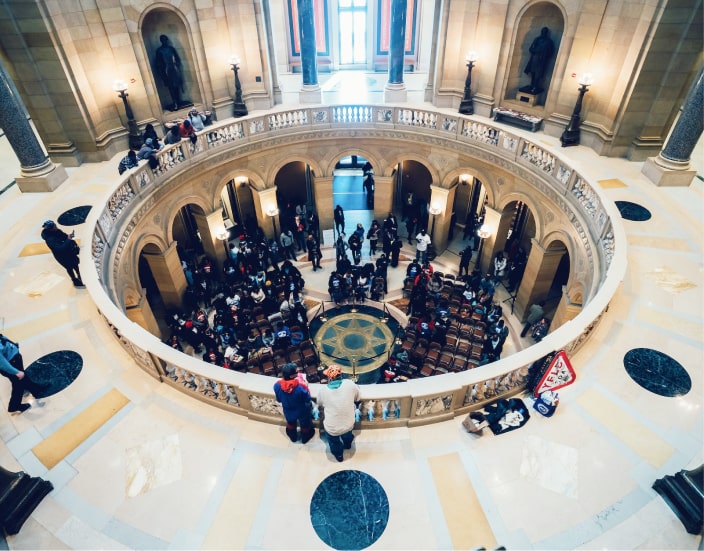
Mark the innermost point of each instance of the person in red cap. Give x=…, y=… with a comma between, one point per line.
x=295, y=399
x=337, y=399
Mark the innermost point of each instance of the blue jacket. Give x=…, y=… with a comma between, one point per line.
x=296, y=403
x=8, y=350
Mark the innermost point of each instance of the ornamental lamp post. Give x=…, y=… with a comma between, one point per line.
x=571, y=134
x=466, y=106
x=135, y=140
x=239, y=109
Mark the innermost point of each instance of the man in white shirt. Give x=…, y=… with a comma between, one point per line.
x=337, y=400
x=422, y=242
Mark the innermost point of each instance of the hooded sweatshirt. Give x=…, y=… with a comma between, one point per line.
x=295, y=399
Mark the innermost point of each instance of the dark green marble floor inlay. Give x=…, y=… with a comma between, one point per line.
x=349, y=510
x=657, y=372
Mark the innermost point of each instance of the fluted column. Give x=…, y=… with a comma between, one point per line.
x=395, y=89
x=310, y=90
x=672, y=167
x=37, y=171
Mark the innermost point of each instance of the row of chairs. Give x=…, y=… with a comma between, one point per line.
x=271, y=363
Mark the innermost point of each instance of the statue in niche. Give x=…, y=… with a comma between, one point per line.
x=167, y=64
x=541, y=51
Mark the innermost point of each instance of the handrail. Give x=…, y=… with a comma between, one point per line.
x=418, y=401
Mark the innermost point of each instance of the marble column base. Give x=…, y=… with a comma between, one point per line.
x=664, y=176
x=47, y=180
x=395, y=93
x=311, y=93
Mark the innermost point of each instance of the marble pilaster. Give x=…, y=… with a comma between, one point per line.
x=442, y=198
x=383, y=196
x=209, y=226
x=141, y=313
x=265, y=200
x=566, y=311
x=324, y=207
x=492, y=218
x=168, y=274
x=537, y=278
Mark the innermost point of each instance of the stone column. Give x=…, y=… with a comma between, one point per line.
x=488, y=247
x=322, y=190
x=442, y=198
x=37, y=171
x=566, y=311
x=264, y=200
x=671, y=167
x=384, y=188
x=395, y=89
x=209, y=226
x=141, y=313
x=310, y=90
x=537, y=278
x=168, y=274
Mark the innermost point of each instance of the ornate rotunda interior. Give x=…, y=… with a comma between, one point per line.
x=571, y=131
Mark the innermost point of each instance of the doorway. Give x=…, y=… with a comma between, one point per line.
x=353, y=190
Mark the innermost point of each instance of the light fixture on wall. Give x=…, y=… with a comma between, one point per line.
x=239, y=109
x=571, y=134
x=273, y=212
x=135, y=140
x=224, y=236
x=466, y=106
x=483, y=232
x=434, y=211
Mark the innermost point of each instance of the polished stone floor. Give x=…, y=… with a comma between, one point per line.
x=154, y=469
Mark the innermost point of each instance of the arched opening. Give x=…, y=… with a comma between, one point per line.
x=293, y=195
x=171, y=61
x=413, y=185
x=467, y=210
x=524, y=63
x=353, y=190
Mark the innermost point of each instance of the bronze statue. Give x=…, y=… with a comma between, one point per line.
x=168, y=66
x=541, y=52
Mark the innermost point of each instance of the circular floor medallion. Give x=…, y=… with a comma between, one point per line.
x=657, y=372
x=633, y=211
x=349, y=510
x=360, y=336
x=74, y=216
x=53, y=373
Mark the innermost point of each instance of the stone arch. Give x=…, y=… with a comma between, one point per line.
x=376, y=161
x=161, y=18
x=534, y=206
x=393, y=161
x=275, y=167
x=174, y=209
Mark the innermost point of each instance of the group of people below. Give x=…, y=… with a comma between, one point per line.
x=152, y=144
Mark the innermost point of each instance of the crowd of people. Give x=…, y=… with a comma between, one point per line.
x=152, y=144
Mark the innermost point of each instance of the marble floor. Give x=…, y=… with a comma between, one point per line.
x=163, y=471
